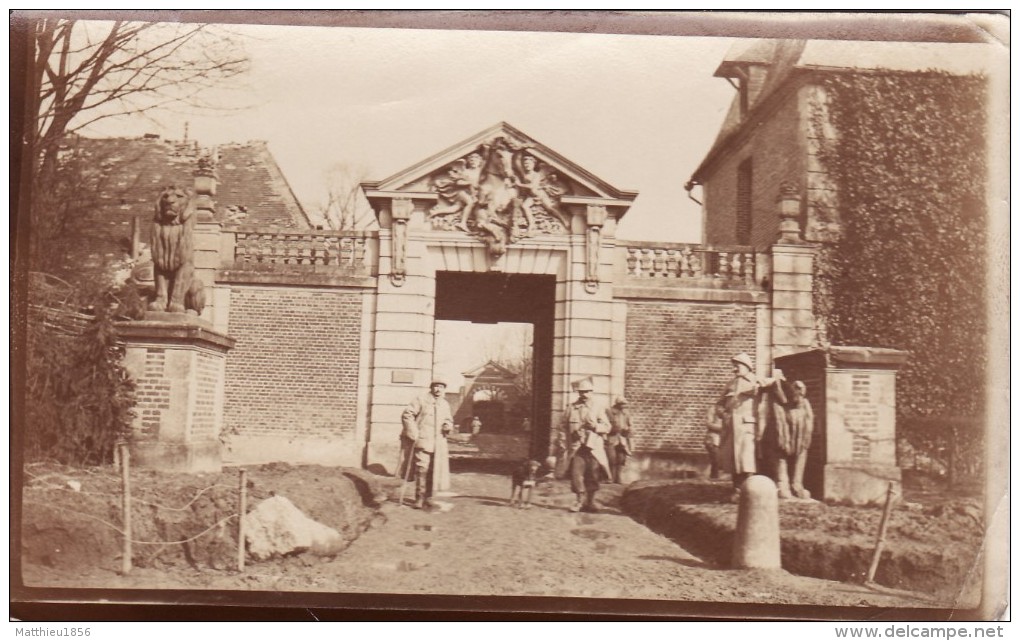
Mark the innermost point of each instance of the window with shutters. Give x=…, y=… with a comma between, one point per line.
x=744, y=203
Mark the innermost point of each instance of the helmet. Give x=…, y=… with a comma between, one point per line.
x=584, y=385
x=620, y=400
x=743, y=359
x=438, y=380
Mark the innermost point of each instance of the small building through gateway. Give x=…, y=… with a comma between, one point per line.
x=514, y=414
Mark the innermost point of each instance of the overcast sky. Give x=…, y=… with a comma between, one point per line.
x=640, y=112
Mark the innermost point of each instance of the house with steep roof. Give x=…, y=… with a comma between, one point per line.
x=123, y=176
x=771, y=133
x=494, y=394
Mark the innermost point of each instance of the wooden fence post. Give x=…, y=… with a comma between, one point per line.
x=125, y=476
x=242, y=508
x=882, y=528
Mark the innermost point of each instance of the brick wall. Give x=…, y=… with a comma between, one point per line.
x=152, y=393
x=207, y=377
x=777, y=151
x=294, y=369
x=677, y=365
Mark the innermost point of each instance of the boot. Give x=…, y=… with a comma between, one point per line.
x=589, y=503
x=578, y=504
x=419, y=491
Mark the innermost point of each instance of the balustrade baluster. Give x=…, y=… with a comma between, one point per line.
x=684, y=269
x=722, y=266
x=261, y=247
x=318, y=249
x=346, y=251
x=632, y=261
x=240, y=249
x=736, y=266
x=279, y=249
x=359, y=252
x=646, y=262
x=331, y=251
x=659, y=263
x=305, y=249
x=671, y=263
x=697, y=265
x=749, y=268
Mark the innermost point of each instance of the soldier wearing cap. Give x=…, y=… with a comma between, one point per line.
x=427, y=422
x=742, y=430
x=581, y=439
x=618, y=443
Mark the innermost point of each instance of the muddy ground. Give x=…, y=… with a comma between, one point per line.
x=477, y=545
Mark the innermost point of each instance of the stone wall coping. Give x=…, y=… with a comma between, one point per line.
x=852, y=357
x=281, y=276
x=295, y=231
x=656, y=244
x=670, y=291
x=871, y=356
x=163, y=327
x=802, y=247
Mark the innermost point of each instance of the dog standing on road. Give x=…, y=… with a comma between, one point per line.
x=524, y=478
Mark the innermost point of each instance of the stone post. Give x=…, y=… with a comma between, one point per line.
x=793, y=321
x=853, y=393
x=178, y=364
x=756, y=539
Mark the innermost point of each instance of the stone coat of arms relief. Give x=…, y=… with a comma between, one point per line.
x=500, y=192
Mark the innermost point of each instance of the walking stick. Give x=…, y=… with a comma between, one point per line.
x=407, y=472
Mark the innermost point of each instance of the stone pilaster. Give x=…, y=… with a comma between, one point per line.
x=793, y=320
x=178, y=363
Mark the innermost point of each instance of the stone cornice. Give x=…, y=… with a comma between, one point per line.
x=174, y=329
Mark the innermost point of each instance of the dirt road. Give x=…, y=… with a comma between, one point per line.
x=480, y=546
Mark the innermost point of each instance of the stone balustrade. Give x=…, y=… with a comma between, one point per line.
x=316, y=249
x=693, y=263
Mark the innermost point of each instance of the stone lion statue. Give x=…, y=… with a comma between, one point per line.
x=173, y=254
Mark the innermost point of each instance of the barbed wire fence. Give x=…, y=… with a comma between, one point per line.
x=128, y=505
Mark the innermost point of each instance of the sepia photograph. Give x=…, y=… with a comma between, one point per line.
x=677, y=315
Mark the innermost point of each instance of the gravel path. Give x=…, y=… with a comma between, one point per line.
x=480, y=546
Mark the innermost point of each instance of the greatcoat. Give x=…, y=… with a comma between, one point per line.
x=573, y=434
x=425, y=420
x=741, y=428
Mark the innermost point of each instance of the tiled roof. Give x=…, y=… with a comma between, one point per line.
x=132, y=171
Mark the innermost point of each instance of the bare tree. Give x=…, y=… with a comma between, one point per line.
x=346, y=207
x=84, y=72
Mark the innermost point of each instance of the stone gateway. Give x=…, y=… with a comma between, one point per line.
x=331, y=332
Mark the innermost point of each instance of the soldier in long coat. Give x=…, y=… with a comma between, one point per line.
x=618, y=448
x=582, y=442
x=742, y=429
x=427, y=422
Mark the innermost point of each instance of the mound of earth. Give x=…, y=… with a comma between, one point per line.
x=932, y=547
x=72, y=518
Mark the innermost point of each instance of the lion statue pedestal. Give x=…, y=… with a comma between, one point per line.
x=178, y=362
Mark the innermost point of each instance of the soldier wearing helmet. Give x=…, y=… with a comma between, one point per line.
x=618, y=445
x=582, y=440
x=742, y=430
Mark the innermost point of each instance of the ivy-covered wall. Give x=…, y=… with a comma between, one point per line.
x=909, y=268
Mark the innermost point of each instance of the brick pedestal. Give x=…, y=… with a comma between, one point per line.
x=178, y=363
x=853, y=393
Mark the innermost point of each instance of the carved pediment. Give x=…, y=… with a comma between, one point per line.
x=501, y=186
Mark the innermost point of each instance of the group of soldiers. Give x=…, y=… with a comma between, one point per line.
x=593, y=443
